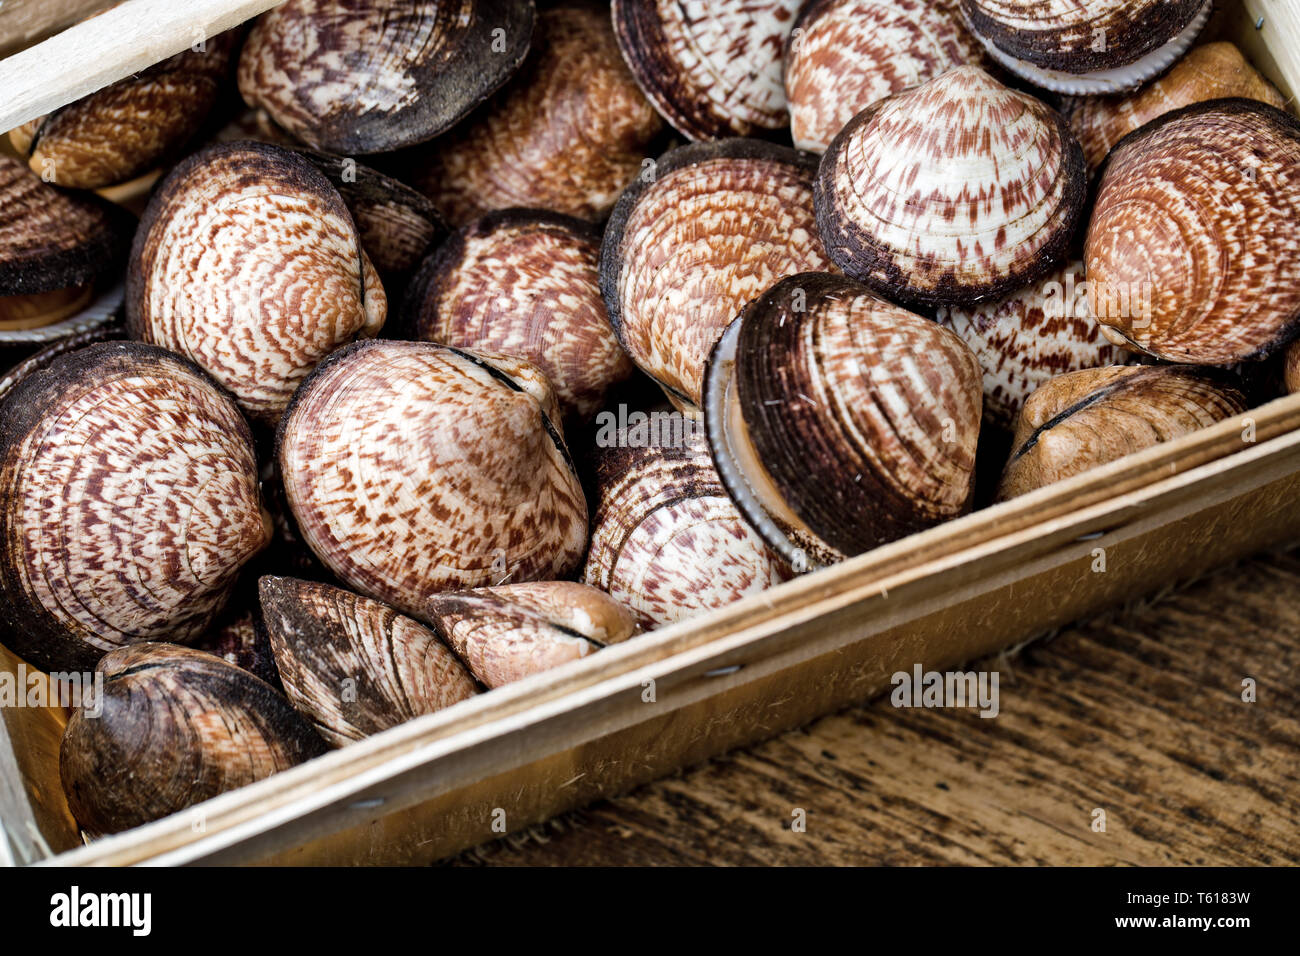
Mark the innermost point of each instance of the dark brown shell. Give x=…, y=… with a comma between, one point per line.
x=354, y=666
x=958, y=191
x=368, y=77
x=130, y=127
x=178, y=726
x=1193, y=253
x=1085, y=419
x=705, y=230
x=128, y=502
x=838, y=421
x=511, y=632
x=27, y=360
x=568, y=132
x=525, y=283
x=712, y=69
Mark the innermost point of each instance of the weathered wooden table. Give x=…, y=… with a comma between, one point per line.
x=1139, y=713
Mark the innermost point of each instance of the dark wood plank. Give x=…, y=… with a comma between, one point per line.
x=1138, y=712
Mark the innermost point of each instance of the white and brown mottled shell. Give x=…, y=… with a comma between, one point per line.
x=129, y=502
x=845, y=55
x=413, y=468
x=1210, y=72
x=1084, y=419
x=177, y=727
x=368, y=77
x=355, y=666
x=1087, y=47
x=958, y=191
x=711, y=67
x=839, y=421
x=666, y=541
x=507, y=633
x=567, y=133
x=130, y=127
x=526, y=283
x=1193, y=253
x=688, y=246
x=248, y=261
x=1032, y=335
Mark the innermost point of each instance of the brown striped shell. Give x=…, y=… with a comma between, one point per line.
x=845, y=55
x=128, y=128
x=525, y=283
x=248, y=262
x=178, y=726
x=354, y=666
x=367, y=77
x=1209, y=72
x=1087, y=47
x=958, y=191
x=1193, y=253
x=839, y=421
x=711, y=67
x=710, y=227
x=1084, y=419
x=666, y=541
x=1024, y=340
x=568, y=132
x=508, y=633
x=130, y=501
x=412, y=468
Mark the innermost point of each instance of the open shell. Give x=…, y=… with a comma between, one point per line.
x=248, y=262
x=1087, y=47
x=568, y=132
x=525, y=283
x=371, y=77
x=688, y=246
x=711, y=67
x=666, y=540
x=958, y=191
x=508, y=633
x=355, y=666
x=1088, y=418
x=130, y=501
x=1193, y=253
x=839, y=421
x=845, y=55
x=178, y=726
x=412, y=468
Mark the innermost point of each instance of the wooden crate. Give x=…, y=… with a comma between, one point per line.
x=634, y=712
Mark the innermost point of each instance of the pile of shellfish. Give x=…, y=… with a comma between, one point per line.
x=375, y=355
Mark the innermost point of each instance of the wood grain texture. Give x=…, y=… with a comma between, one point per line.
x=1137, y=712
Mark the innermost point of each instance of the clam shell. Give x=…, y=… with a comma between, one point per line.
x=525, y=283
x=711, y=67
x=958, y=191
x=1024, y=340
x=130, y=501
x=1087, y=47
x=1192, y=252
x=1084, y=419
x=128, y=128
x=839, y=421
x=666, y=541
x=354, y=666
x=1210, y=72
x=508, y=633
x=412, y=468
x=845, y=55
x=33, y=361
x=567, y=134
x=248, y=262
x=369, y=77
x=242, y=641
x=687, y=246
x=178, y=726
